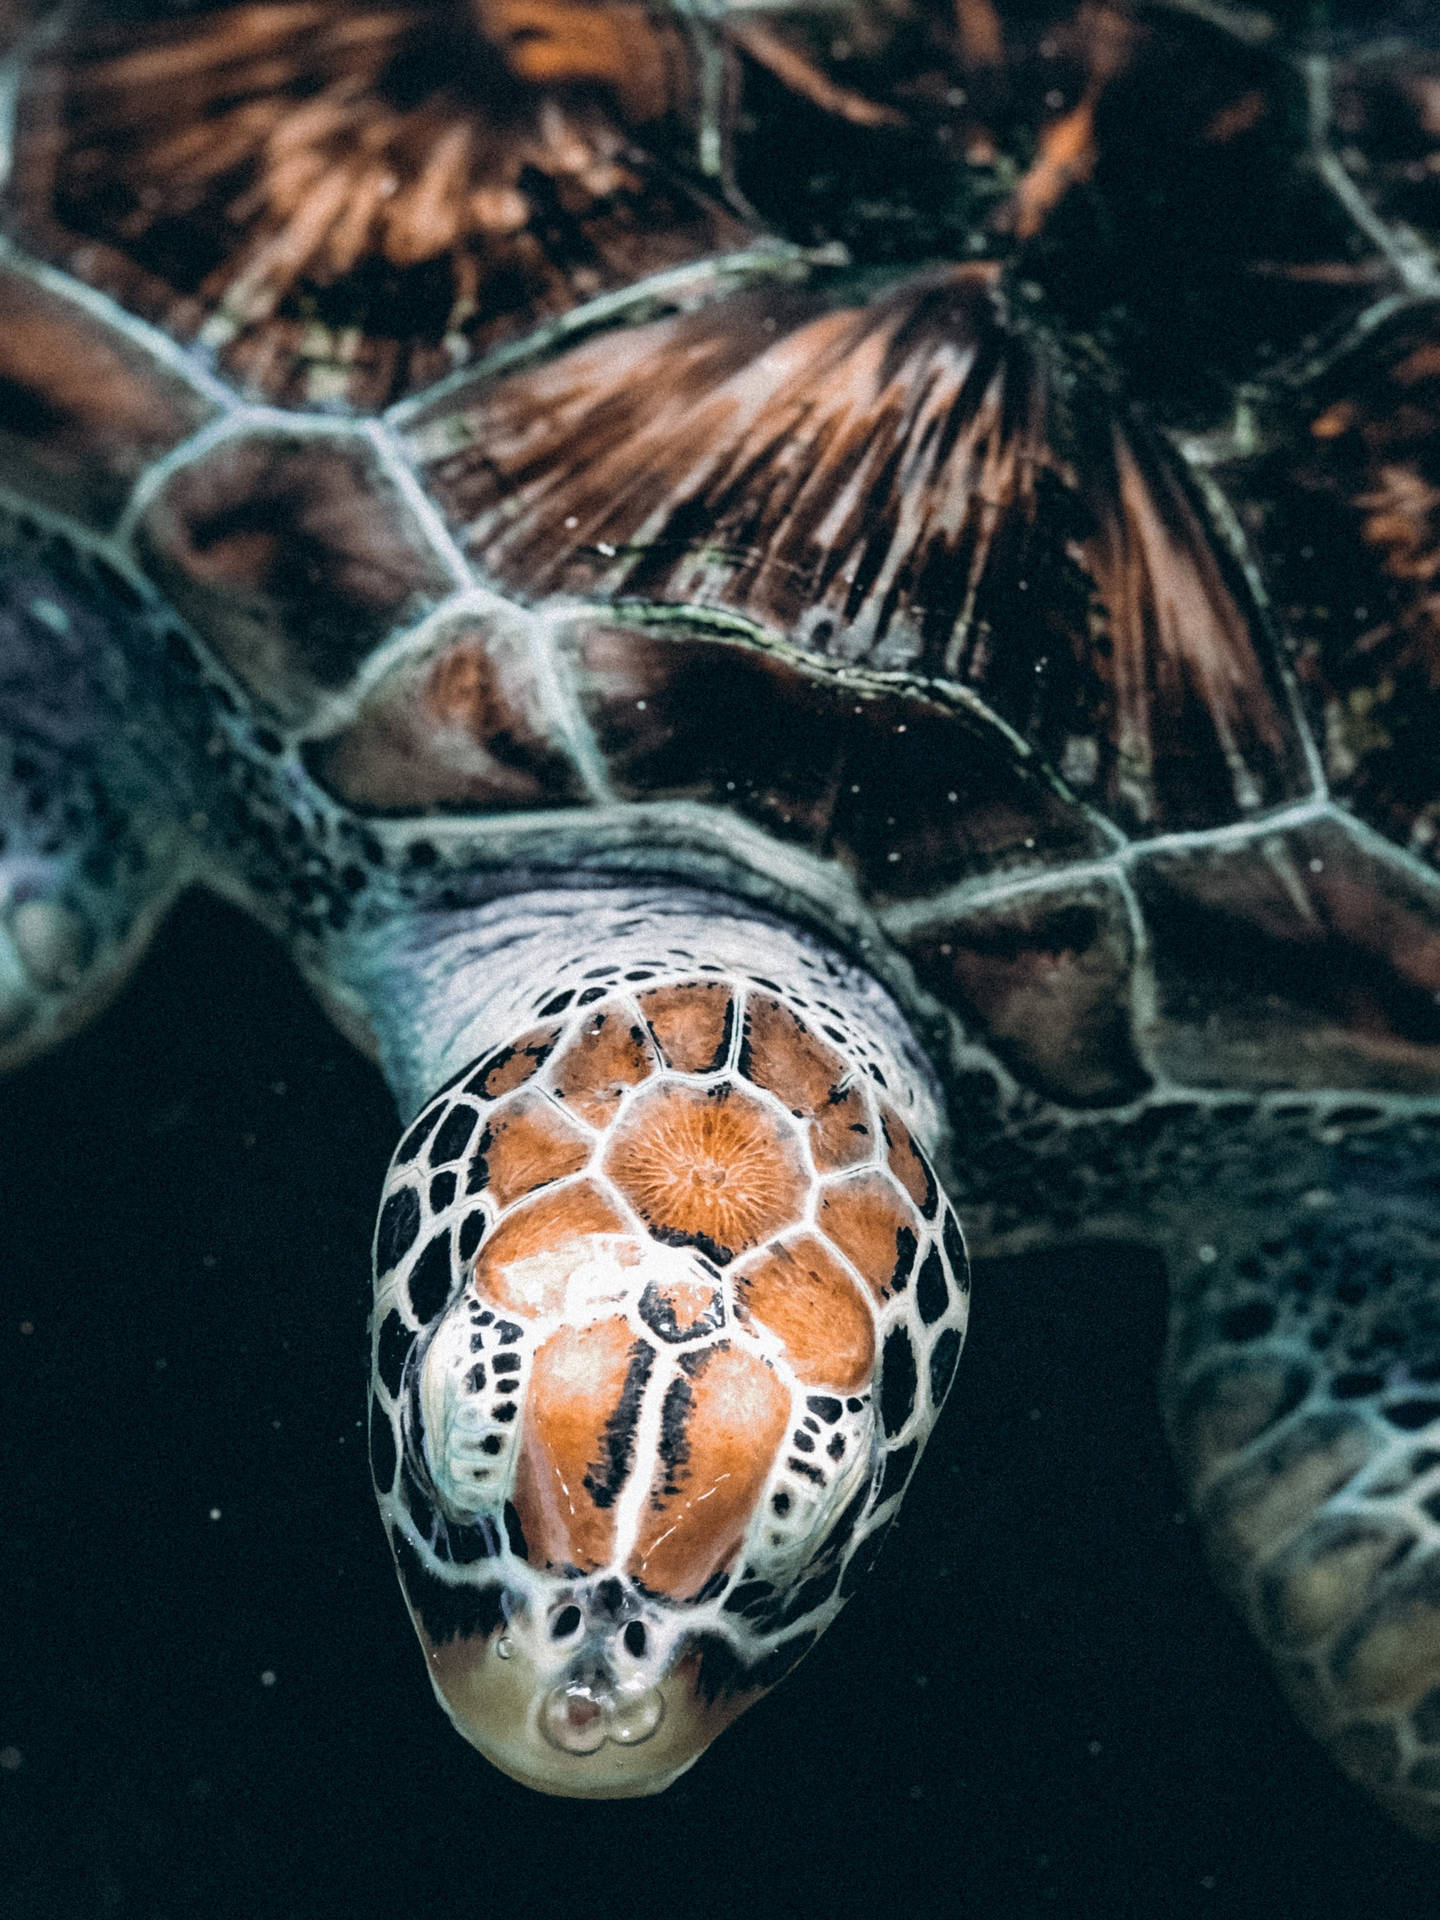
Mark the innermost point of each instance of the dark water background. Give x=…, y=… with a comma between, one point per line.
x=1036, y=1705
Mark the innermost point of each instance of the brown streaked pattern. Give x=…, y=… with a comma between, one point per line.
x=714, y=1169
x=609, y=1055
x=512, y=1066
x=893, y=485
x=780, y=1053
x=347, y=201
x=869, y=1220
x=294, y=556
x=581, y=1407
x=1046, y=980
x=911, y=794
x=460, y=724
x=690, y=1024
x=525, y=1265
x=1303, y=960
x=83, y=410
x=527, y=1143
x=906, y=1161
x=1346, y=515
x=722, y=1422
x=799, y=1291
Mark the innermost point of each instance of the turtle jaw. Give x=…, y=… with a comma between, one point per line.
x=579, y=1733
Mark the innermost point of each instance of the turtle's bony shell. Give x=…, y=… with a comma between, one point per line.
x=668, y=1300
x=876, y=605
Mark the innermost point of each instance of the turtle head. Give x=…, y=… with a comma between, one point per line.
x=668, y=1298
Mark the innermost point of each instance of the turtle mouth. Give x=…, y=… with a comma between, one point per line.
x=584, y=1734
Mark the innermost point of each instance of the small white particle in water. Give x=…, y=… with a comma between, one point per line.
x=1093, y=1747
x=1317, y=866
x=27, y=1326
x=604, y=547
x=952, y=798
x=640, y=705
x=208, y=1260
x=214, y=1513
x=917, y=1793
x=1054, y=99
x=54, y=617
x=1208, y=1255
x=571, y=523
x=267, y=1678
x=1034, y=1413
x=892, y=858
x=11, y=1759
x=161, y=1364
x=1207, y=1880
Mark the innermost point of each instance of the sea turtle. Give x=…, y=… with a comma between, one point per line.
x=793, y=610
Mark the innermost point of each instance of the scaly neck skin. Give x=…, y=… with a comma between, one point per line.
x=454, y=984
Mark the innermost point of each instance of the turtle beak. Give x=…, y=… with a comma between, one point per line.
x=579, y=1733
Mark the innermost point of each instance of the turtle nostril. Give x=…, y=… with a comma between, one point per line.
x=635, y=1638
x=566, y=1622
x=573, y=1718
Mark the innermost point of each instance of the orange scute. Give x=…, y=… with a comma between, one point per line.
x=691, y=1024
x=726, y=1415
x=526, y=1144
x=801, y=1293
x=907, y=1163
x=608, y=1056
x=563, y=1493
x=513, y=1065
x=873, y=1228
x=715, y=1169
x=782, y=1055
x=525, y=1265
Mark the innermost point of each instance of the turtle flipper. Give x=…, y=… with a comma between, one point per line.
x=90, y=845
x=1302, y=1389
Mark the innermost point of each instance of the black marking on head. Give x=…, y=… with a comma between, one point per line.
x=658, y=1313
x=472, y=1232
x=1411, y=1415
x=604, y=1479
x=932, y=1295
x=431, y=1279
x=453, y=1138
x=677, y=1237
x=636, y=1639
x=383, y=1456
x=590, y=996
x=442, y=1192
x=446, y=1610
x=897, y=1472
x=609, y=1599
x=826, y=1406
x=955, y=1252
x=468, y=1544
x=905, y=1247
x=674, y=1443
x=566, y=1622
x=556, y=1005
x=507, y=1333
x=898, y=1381
x=802, y=1440
x=753, y=1599
x=418, y=1135
x=392, y=1351
x=515, y=1533
x=399, y=1224
x=943, y=1360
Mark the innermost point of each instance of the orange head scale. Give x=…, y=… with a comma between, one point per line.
x=668, y=1298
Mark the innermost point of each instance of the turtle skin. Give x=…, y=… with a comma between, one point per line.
x=902, y=477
